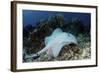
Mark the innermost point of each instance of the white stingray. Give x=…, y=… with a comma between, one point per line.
x=55, y=42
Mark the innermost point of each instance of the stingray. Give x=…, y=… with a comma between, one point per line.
x=55, y=42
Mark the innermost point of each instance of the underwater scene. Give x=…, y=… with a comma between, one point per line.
x=56, y=36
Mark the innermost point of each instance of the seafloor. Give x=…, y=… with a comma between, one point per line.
x=33, y=39
x=69, y=52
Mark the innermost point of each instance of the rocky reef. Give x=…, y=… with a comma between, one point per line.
x=34, y=39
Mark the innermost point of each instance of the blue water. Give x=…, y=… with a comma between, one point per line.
x=33, y=17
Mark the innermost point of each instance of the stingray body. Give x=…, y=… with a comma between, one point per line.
x=55, y=42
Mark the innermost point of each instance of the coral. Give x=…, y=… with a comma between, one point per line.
x=34, y=39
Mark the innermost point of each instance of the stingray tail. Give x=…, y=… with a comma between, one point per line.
x=34, y=56
x=37, y=55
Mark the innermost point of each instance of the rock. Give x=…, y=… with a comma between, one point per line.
x=41, y=36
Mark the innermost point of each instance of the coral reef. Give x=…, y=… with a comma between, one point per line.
x=34, y=39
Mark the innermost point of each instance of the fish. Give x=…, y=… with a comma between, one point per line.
x=55, y=42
